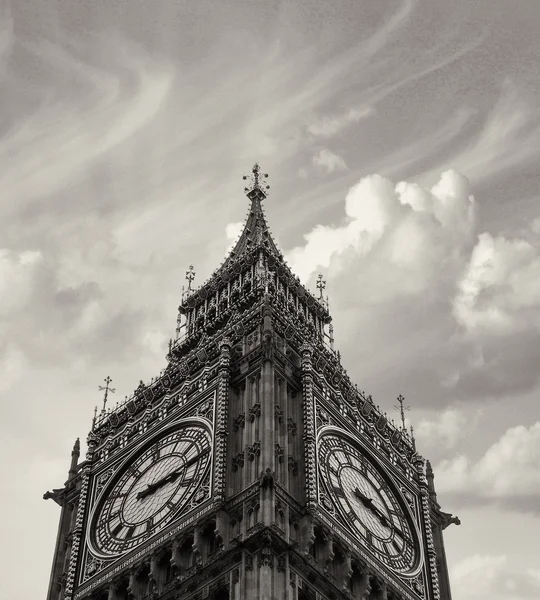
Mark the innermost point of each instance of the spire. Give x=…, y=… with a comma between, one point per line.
x=256, y=231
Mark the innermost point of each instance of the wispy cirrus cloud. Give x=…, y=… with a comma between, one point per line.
x=48, y=149
x=329, y=126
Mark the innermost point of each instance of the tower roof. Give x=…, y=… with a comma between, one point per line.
x=255, y=237
x=256, y=231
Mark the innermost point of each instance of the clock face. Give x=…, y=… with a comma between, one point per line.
x=151, y=489
x=366, y=500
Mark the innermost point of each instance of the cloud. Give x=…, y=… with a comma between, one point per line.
x=233, y=231
x=329, y=126
x=399, y=223
x=410, y=271
x=509, y=137
x=491, y=576
x=329, y=161
x=506, y=474
x=449, y=427
x=103, y=106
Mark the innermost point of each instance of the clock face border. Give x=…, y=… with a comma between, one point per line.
x=325, y=486
x=123, y=468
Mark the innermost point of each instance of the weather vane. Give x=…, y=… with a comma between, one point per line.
x=190, y=276
x=402, y=409
x=255, y=179
x=321, y=285
x=106, y=389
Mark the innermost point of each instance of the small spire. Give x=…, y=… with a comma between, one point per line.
x=430, y=480
x=402, y=408
x=106, y=389
x=412, y=438
x=75, y=453
x=321, y=285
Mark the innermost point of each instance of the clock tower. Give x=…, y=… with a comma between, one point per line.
x=251, y=467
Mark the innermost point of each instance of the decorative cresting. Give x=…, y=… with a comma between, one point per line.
x=222, y=411
x=419, y=463
x=309, y=427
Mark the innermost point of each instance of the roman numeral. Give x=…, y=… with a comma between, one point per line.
x=129, y=533
x=338, y=492
x=156, y=450
x=149, y=524
x=117, y=529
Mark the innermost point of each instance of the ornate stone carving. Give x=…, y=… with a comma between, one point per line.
x=291, y=426
x=254, y=412
x=237, y=461
x=254, y=450
x=279, y=453
x=239, y=421
x=292, y=465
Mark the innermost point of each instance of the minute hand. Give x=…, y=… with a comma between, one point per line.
x=368, y=503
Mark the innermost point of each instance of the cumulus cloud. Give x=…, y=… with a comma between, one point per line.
x=232, y=232
x=507, y=473
x=488, y=576
x=329, y=161
x=411, y=260
x=408, y=224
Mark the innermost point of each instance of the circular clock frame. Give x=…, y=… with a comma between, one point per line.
x=153, y=485
x=367, y=499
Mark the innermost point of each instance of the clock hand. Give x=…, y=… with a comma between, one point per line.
x=172, y=476
x=368, y=503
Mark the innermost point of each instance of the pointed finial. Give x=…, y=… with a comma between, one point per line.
x=321, y=285
x=95, y=418
x=412, y=438
x=190, y=276
x=256, y=184
x=106, y=389
x=402, y=409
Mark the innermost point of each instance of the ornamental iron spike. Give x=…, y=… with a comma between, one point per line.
x=402, y=408
x=106, y=389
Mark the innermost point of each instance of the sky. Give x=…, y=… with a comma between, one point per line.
x=402, y=140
